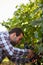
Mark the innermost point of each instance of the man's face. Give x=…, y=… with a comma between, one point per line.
x=16, y=39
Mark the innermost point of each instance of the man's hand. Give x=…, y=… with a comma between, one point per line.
x=30, y=53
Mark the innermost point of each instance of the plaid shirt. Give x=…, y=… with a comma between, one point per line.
x=11, y=52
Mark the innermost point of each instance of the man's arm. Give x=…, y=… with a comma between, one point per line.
x=9, y=50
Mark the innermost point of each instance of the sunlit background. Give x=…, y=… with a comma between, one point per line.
x=7, y=7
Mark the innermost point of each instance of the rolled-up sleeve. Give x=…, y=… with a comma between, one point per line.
x=9, y=50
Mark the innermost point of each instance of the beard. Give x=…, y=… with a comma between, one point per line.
x=13, y=43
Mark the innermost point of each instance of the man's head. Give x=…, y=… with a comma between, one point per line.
x=16, y=35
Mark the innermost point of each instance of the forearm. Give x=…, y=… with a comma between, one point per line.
x=20, y=51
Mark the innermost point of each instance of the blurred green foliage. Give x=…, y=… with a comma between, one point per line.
x=29, y=18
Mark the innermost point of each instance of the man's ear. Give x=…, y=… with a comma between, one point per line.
x=13, y=34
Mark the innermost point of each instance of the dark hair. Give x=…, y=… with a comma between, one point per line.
x=18, y=31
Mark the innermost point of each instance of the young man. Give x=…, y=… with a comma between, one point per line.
x=7, y=40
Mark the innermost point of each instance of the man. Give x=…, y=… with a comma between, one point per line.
x=7, y=40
